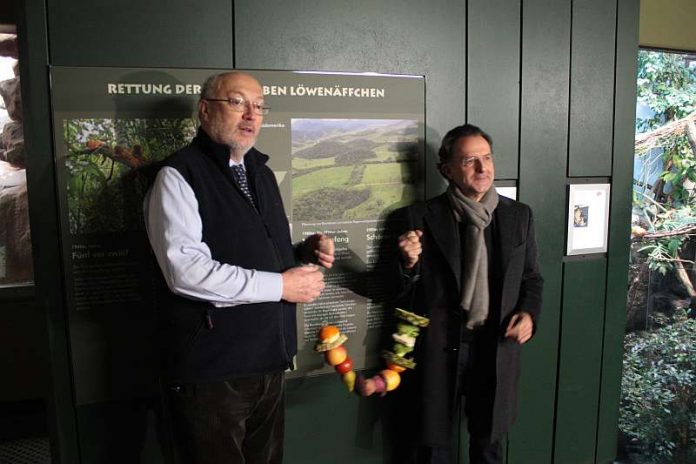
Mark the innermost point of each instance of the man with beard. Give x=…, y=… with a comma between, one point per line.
x=218, y=229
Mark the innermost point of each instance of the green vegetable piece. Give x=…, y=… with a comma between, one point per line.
x=404, y=328
x=401, y=349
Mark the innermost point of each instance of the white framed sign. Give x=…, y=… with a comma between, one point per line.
x=507, y=191
x=588, y=218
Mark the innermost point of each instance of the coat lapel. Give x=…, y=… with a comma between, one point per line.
x=443, y=227
x=506, y=225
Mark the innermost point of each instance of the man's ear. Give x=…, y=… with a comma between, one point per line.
x=202, y=110
x=445, y=171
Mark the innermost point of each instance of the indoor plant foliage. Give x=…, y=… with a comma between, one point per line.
x=665, y=206
x=658, y=396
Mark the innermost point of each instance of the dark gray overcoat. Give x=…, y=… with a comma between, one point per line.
x=435, y=292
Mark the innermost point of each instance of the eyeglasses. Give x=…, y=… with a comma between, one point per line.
x=240, y=105
x=469, y=161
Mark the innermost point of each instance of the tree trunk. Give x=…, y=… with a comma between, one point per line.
x=690, y=129
x=683, y=277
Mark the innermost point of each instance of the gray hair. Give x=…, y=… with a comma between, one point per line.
x=211, y=83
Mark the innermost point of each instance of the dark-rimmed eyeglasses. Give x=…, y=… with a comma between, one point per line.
x=240, y=104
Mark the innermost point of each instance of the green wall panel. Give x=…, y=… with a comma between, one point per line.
x=43, y=216
x=167, y=33
x=391, y=36
x=493, y=77
x=324, y=423
x=24, y=360
x=617, y=275
x=592, y=87
x=543, y=145
x=580, y=361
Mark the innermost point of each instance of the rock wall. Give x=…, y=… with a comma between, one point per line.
x=15, y=236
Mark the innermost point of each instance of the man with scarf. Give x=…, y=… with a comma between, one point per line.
x=469, y=263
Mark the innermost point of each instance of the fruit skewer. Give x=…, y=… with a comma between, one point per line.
x=331, y=342
x=407, y=331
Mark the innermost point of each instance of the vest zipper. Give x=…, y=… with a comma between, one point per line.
x=279, y=262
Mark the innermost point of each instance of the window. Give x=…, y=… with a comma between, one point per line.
x=658, y=404
x=15, y=237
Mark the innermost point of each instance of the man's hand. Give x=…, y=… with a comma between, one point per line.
x=520, y=327
x=319, y=249
x=410, y=246
x=302, y=284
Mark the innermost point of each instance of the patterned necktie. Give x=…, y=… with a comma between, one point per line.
x=240, y=176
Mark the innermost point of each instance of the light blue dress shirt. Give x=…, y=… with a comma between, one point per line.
x=176, y=235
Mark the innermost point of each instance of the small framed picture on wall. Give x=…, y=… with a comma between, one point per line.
x=588, y=218
x=509, y=191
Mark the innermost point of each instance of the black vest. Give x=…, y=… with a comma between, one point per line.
x=203, y=343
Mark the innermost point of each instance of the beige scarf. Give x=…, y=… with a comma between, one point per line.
x=475, y=216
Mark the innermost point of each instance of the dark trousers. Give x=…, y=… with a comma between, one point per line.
x=239, y=421
x=476, y=391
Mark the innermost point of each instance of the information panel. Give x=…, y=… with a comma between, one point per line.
x=346, y=149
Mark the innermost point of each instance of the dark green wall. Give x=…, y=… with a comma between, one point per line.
x=553, y=81
x=619, y=225
x=23, y=340
x=544, y=101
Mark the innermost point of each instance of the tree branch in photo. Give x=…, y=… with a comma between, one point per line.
x=131, y=157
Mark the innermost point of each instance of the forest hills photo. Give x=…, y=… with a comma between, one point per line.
x=350, y=169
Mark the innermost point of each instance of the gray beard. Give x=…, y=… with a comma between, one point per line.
x=238, y=151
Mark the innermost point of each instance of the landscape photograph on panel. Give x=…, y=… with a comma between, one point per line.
x=352, y=169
